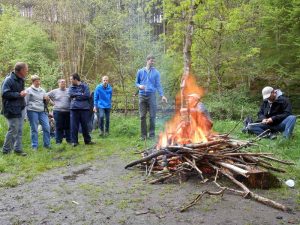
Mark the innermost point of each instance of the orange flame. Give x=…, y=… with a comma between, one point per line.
x=189, y=124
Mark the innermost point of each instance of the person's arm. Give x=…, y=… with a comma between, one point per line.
x=138, y=81
x=7, y=93
x=159, y=87
x=287, y=110
x=84, y=94
x=261, y=116
x=96, y=98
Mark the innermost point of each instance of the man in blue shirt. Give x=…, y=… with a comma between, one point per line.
x=102, y=104
x=79, y=109
x=148, y=82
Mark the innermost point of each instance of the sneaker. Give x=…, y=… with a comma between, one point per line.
x=48, y=147
x=270, y=136
x=143, y=138
x=5, y=153
x=34, y=149
x=90, y=143
x=74, y=144
x=21, y=153
x=101, y=134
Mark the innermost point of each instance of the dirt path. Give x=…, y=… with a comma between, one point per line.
x=104, y=193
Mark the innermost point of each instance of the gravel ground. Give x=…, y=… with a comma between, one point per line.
x=103, y=192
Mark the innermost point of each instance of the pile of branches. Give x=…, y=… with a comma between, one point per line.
x=219, y=156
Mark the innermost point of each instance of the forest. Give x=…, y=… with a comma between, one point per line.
x=236, y=47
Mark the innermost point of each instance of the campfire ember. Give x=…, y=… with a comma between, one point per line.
x=189, y=147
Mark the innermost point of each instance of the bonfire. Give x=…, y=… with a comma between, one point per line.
x=188, y=147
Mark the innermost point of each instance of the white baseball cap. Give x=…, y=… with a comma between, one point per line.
x=266, y=92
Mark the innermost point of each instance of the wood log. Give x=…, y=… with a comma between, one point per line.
x=147, y=158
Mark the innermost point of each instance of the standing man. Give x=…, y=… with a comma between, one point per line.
x=79, y=109
x=61, y=111
x=275, y=114
x=13, y=97
x=102, y=104
x=148, y=82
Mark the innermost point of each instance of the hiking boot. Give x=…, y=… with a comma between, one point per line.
x=90, y=143
x=21, y=153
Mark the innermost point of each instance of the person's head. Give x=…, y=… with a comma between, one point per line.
x=75, y=79
x=21, y=69
x=105, y=80
x=62, y=83
x=193, y=99
x=35, y=80
x=268, y=93
x=150, y=61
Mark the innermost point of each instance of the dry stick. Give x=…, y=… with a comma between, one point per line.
x=147, y=158
x=195, y=167
x=206, y=144
x=277, y=160
x=247, y=153
x=199, y=196
x=226, y=135
x=256, y=197
x=151, y=166
x=161, y=179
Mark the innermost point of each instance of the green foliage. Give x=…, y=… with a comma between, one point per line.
x=231, y=105
x=23, y=40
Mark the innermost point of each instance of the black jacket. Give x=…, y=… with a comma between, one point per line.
x=12, y=102
x=279, y=110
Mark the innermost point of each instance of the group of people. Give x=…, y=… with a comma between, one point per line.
x=72, y=108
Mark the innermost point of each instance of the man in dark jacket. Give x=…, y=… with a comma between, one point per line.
x=79, y=109
x=13, y=97
x=275, y=114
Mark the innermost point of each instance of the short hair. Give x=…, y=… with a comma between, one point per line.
x=75, y=76
x=19, y=66
x=34, y=78
x=60, y=80
x=150, y=56
x=105, y=77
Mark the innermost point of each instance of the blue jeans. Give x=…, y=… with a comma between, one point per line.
x=147, y=103
x=101, y=114
x=62, y=126
x=81, y=117
x=13, y=138
x=34, y=119
x=286, y=126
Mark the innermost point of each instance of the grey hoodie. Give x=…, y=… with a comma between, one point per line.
x=35, y=99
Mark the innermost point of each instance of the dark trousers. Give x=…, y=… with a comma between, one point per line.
x=80, y=117
x=147, y=103
x=62, y=126
x=101, y=114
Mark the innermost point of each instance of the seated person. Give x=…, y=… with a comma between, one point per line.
x=275, y=114
x=198, y=113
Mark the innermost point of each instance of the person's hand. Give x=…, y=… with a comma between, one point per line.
x=267, y=121
x=142, y=87
x=95, y=109
x=164, y=99
x=23, y=93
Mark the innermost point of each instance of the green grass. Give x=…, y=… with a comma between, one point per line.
x=123, y=141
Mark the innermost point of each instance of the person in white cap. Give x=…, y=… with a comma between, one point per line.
x=275, y=114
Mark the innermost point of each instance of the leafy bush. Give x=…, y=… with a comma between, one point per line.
x=233, y=104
